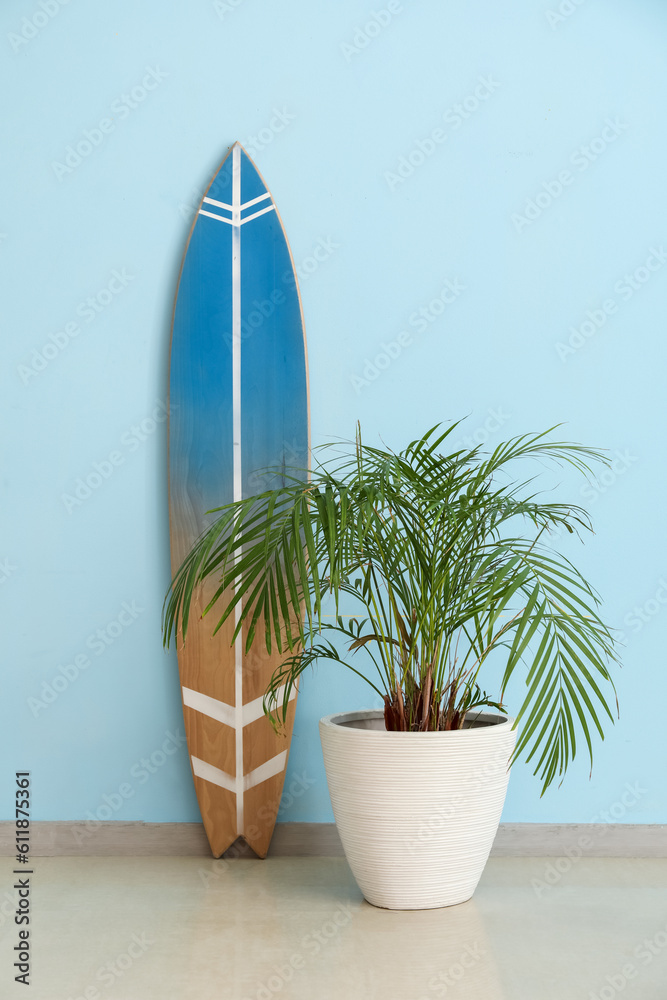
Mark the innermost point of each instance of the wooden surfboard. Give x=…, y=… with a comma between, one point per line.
x=238, y=406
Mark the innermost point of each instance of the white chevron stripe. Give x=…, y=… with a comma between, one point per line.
x=225, y=713
x=219, y=204
x=232, y=221
x=215, y=709
x=265, y=771
x=220, y=218
x=257, y=214
x=255, y=709
x=213, y=774
x=218, y=777
x=254, y=201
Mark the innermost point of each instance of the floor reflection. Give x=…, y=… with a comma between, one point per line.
x=299, y=929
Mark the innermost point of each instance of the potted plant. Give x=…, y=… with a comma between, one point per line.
x=434, y=568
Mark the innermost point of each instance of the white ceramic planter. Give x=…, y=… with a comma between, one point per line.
x=417, y=812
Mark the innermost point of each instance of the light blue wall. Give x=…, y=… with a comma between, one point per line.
x=334, y=122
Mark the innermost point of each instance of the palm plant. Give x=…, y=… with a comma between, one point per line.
x=444, y=564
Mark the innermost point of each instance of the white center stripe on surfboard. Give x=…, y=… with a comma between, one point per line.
x=218, y=777
x=222, y=712
x=238, y=485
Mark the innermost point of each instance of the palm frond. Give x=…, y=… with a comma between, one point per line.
x=444, y=561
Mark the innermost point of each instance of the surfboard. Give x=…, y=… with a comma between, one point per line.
x=238, y=407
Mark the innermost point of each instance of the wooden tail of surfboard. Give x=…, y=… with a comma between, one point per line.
x=238, y=406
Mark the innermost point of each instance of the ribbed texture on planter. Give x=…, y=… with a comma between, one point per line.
x=417, y=812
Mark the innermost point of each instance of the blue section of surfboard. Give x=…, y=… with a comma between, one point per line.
x=238, y=402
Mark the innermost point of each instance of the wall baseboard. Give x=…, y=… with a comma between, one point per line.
x=591, y=840
x=514, y=840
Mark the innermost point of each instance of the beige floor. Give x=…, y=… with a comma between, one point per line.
x=293, y=928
